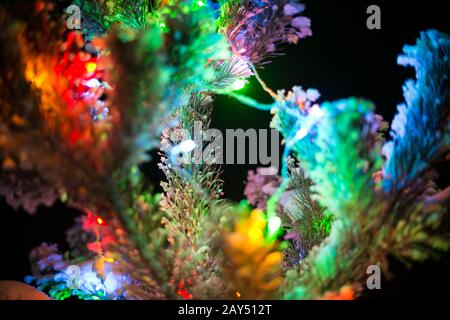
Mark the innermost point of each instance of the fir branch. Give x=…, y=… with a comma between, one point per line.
x=255, y=29
x=192, y=189
x=308, y=220
x=134, y=14
x=425, y=113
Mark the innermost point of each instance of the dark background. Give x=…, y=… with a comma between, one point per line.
x=343, y=58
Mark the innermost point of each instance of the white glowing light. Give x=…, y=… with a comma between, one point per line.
x=238, y=84
x=86, y=279
x=274, y=224
x=187, y=146
x=92, y=83
x=316, y=112
x=111, y=283
x=301, y=133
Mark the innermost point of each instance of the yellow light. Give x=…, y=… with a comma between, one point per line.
x=255, y=233
x=91, y=66
x=238, y=294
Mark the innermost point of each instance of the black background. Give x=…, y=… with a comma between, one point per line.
x=342, y=58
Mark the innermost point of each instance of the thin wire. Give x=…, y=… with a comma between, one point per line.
x=263, y=84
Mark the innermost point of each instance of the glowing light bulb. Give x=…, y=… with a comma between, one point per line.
x=100, y=221
x=187, y=146
x=90, y=66
x=255, y=233
x=274, y=224
x=316, y=112
x=238, y=84
x=301, y=133
x=200, y=3
x=92, y=83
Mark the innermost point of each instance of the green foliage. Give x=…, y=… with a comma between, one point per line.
x=154, y=73
x=192, y=189
x=343, y=173
x=194, y=44
x=141, y=215
x=313, y=219
x=370, y=225
x=228, y=11
x=307, y=219
x=420, y=130
x=104, y=14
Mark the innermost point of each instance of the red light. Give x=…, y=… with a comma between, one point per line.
x=100, y=221
x=75, y=135
x=184, y=294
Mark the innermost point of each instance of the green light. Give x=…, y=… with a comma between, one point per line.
x=274, y=224
x=63, y=197
x=200, y=3
x=238, y=84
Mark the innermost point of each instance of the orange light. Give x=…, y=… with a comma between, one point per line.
x=238, y=294
x=90, y=66
x=100, y=221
